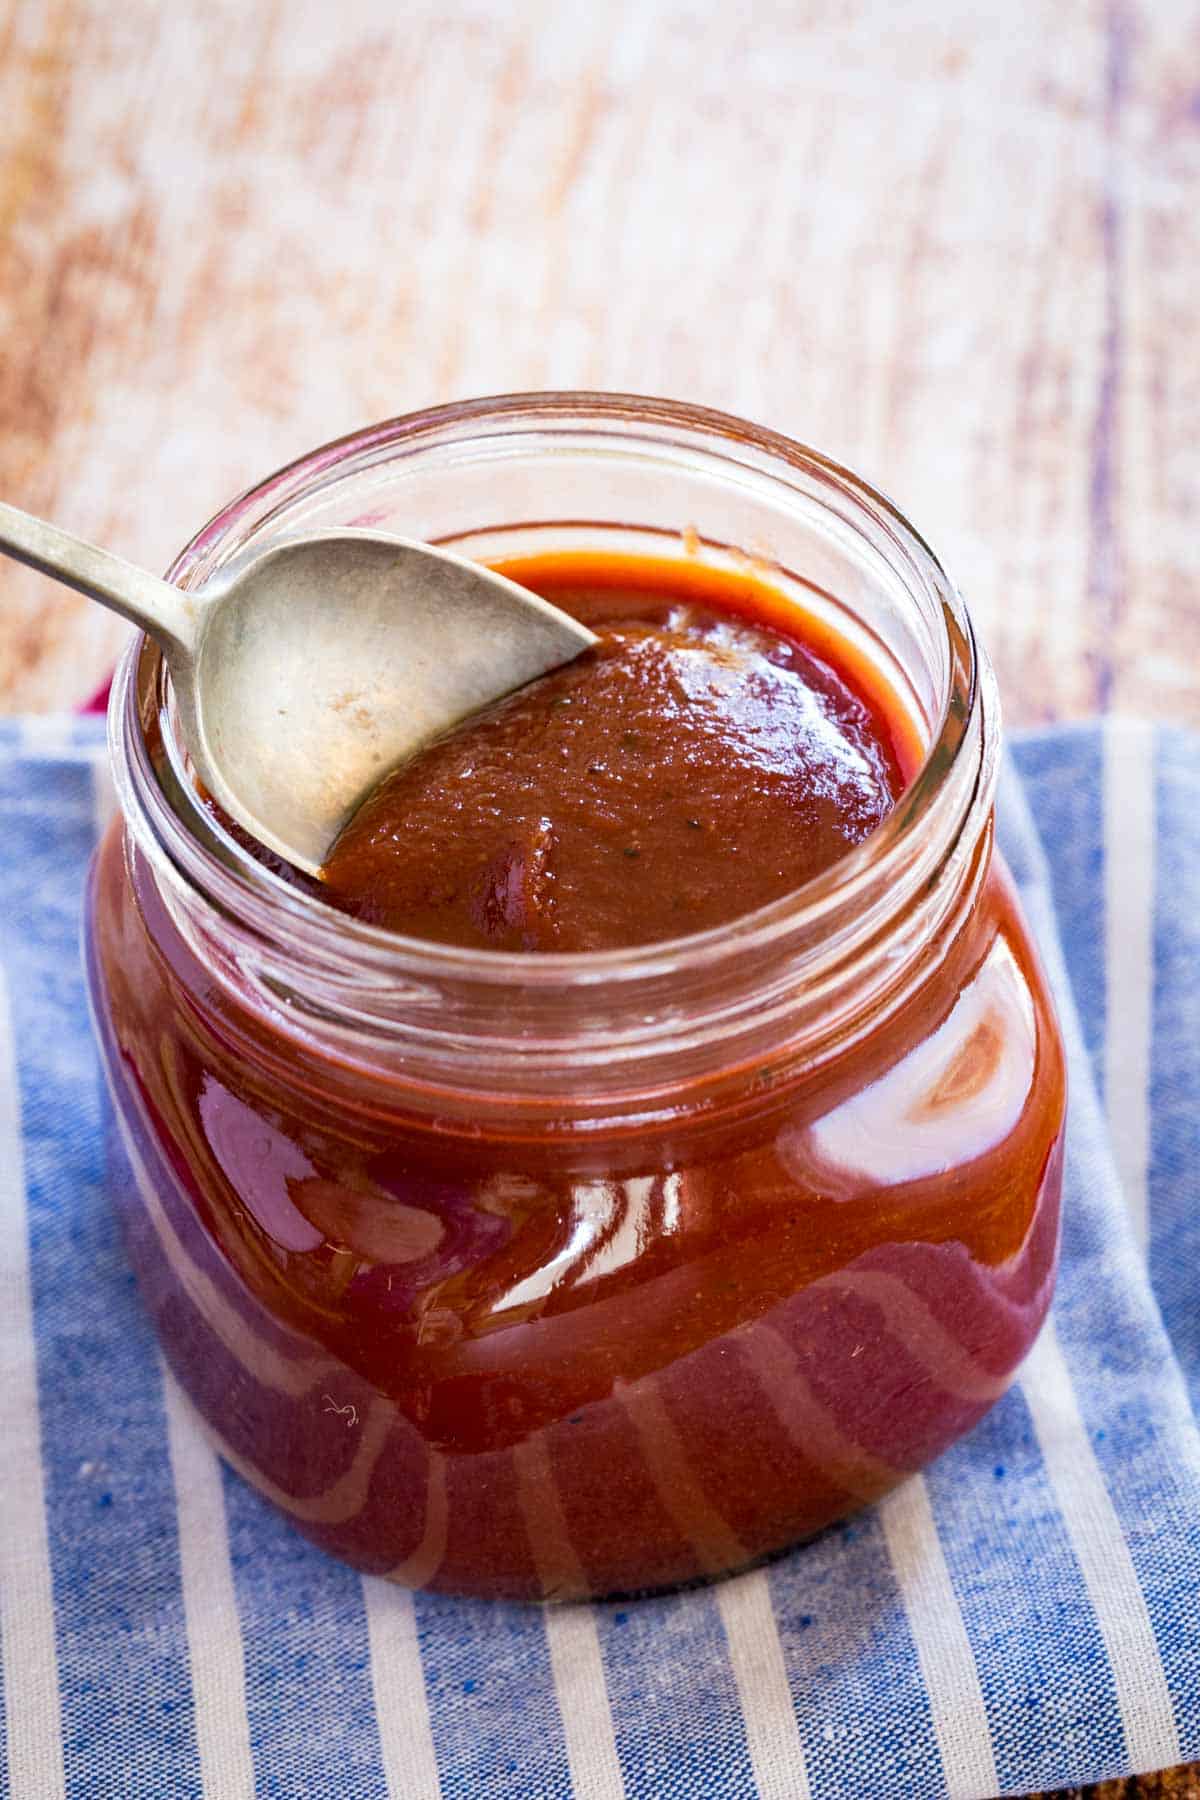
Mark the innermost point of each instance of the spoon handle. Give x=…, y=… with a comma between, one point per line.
x=168, y=614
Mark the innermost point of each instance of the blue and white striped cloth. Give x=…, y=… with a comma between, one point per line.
x=1024, y=1615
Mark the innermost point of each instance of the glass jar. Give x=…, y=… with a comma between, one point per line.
x=574, y=1275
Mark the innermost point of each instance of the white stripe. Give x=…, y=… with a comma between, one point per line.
x=943, y=1649
x=776, y=1753
x=48, y=734
x=583, y=1702
x=104, y=795
x=214, y=1630
x=33, y=1722
x=1129, y=953
x=1103, y=1556
x=398, y=1684
x=571, y=1634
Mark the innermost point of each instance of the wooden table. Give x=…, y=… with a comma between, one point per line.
x=954, y=242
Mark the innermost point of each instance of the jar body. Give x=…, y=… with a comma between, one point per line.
x=531, y=1366
x=550, y=1277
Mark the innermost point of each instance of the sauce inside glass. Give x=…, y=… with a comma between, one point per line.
x=495, y=1341
x=712, y=753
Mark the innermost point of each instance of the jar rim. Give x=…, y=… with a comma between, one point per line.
x=177, y=829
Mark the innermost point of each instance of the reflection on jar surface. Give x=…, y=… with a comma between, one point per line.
x=554, y=1276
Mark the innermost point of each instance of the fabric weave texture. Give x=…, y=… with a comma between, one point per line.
x=1022, y=1616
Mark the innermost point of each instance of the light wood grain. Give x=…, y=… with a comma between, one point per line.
x=954, y=244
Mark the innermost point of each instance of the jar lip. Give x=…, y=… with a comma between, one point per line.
x=185, y=834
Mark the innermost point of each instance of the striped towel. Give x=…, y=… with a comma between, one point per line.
x=1023, y=1615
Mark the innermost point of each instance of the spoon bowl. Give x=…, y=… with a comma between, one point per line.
x=303, y=674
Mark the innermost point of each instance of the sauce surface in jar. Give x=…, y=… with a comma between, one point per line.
x=709, y=755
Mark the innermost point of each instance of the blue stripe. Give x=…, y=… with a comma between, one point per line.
x=676, y=1717
x=856, y=1684
x=487, y=1668
x=1022, y=1598
x=127, y=1715
x=308, y=1672
x=1175, y=1054
x=1063, y=772
x=1131, y=1398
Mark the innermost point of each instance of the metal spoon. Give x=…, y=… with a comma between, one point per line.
x=305, y=673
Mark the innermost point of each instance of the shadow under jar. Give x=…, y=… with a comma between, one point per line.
x=566, y=1275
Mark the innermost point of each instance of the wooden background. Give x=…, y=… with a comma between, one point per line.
x=954, y=242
